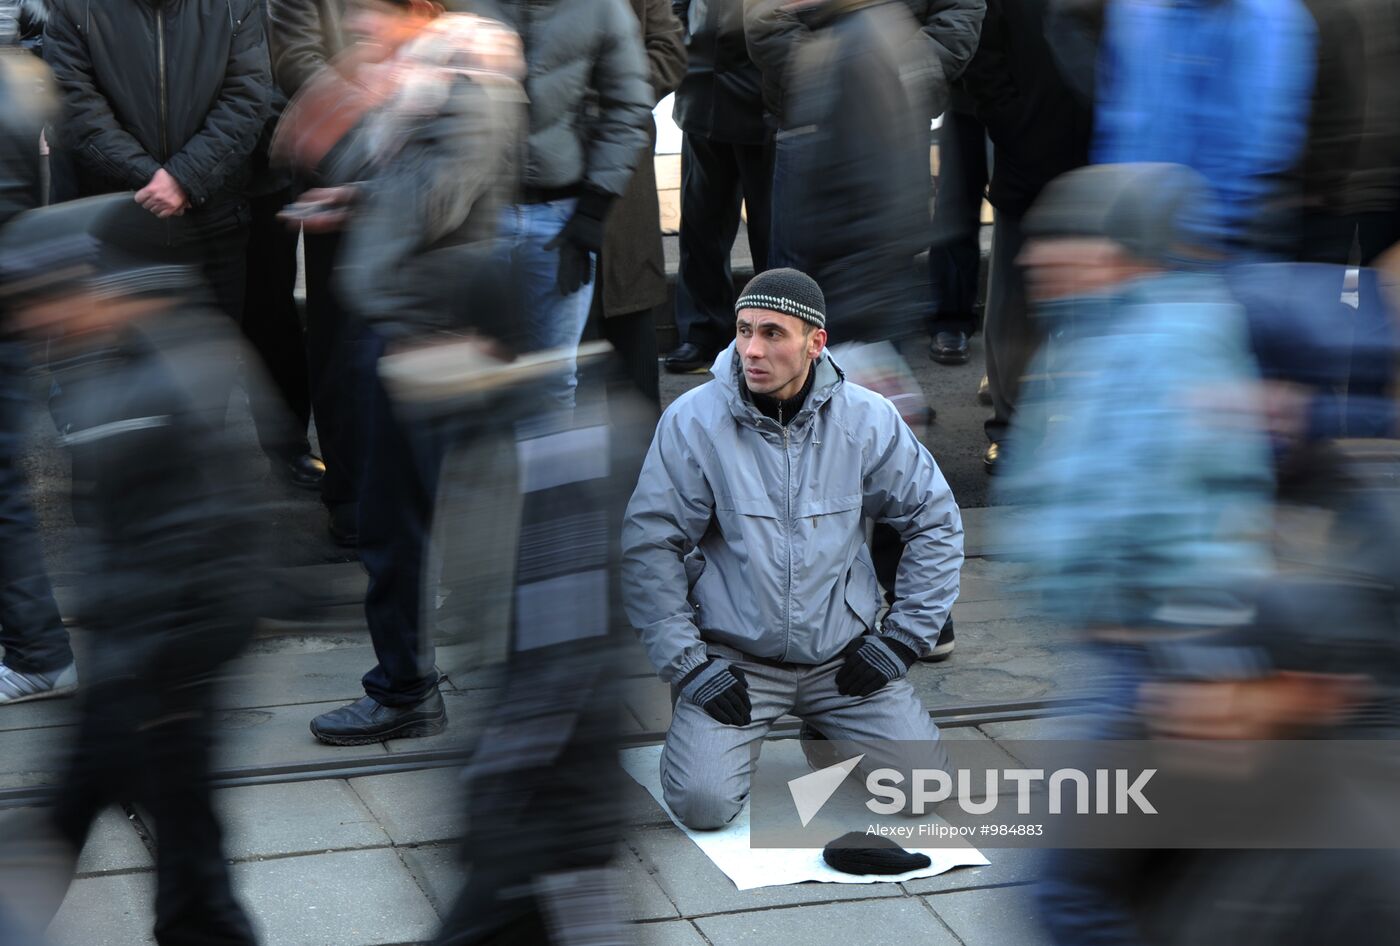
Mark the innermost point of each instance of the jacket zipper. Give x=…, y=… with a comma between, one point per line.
x=787, y=524
x=164, y=107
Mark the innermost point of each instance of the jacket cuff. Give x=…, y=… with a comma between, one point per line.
x=678, y=669
x=593, y=204
x=913, y=642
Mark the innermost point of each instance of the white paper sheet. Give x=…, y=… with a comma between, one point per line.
x=751, y=867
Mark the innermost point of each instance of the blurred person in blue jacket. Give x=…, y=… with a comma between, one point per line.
x=1221, y=86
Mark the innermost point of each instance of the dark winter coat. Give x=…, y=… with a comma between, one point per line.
x=721, y=97
x=633, y=263
x=302, y=35
x=590, y=102
x=1038, y=125
x=178, y=84
x=1375, y=183
x=947, y=38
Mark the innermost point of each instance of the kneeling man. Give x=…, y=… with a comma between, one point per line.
x=746, y=564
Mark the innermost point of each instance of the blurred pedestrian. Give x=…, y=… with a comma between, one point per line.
x=590, y=109
x=726, y=163
x=167, y=100
x=429, y=114
x=955, y=253
x=38, y=661
x=303, y=36
x=632, y=265
x=171, y=568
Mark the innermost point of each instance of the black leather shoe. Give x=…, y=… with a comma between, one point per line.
x=367, y=721
x=943, y=649
x=949, y=348
x=689, y=359
x=306, y=471
x=991, y=460
x=344, y=525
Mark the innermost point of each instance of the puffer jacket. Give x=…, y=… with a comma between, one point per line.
x=179, y=84
x=590, y=99
x=752, y=535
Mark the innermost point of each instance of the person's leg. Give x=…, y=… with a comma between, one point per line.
x=273, y=330
x=330, y=341
x=31, y=630
x=756, y=177
x=554, y=320
x=1377, y=231
x=954, y=256
x=395, y=513
x=710, y=198
x=783, y=215
x=633, y=336
x=706, y=766
x=891, y=725
x=1011, y=337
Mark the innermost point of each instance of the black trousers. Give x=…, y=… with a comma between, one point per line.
x=332, y=337
x=273, y=330
x=715, y=177
x=955, y=253
x=148, y=742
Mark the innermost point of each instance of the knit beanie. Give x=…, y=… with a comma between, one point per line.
x=786, y=291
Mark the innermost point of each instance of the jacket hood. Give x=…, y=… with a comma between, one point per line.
x=726, y=371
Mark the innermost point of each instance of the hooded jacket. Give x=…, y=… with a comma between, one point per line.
x=179, y=84
x=751, y=534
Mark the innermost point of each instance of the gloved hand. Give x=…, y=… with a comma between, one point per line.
x=719, y=688
x=581, y=236
x=872, y=662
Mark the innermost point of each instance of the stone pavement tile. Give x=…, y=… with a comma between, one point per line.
x=998, y=607
x=416, y=807
x=992, y=917
x=30, y=757
x=113, y=844
x=277, y=735
x=1043, y=727
x=116, y=910
x=868, y=923
x=348, y=898
x=973, y=589
x=645, y=898
x=697, y=886
x=305, y=670
x=39, y=714
x=638, y=807
x=670, y=933
x=971, y=745
x=295, y=818
x=650, y=701
x=465, y=713
x=1008, y=866
x=439, y=872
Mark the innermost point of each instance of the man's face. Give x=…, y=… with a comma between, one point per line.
x=384, y=27
x=776, y=350
x=1062, y=267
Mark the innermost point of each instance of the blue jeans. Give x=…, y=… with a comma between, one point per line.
x=552, y=319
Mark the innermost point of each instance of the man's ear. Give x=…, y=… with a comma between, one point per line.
x=817, y=344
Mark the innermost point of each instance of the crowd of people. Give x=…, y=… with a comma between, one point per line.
x=1186, y=321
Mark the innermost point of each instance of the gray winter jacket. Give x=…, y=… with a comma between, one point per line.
x=590, y=97
x=751, y=535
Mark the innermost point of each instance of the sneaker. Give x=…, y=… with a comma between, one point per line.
x=367, y=721
x=17, y=687
x=944, y=648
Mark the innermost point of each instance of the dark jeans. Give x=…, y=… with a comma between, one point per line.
x=402, y=464
x=331, y=338
x=716, y=176
x=1010, y=334
x=955, y=254
x=273, y=329
x=1378, y=231
x=781, y=250
x=31, y=630
x=148, y=742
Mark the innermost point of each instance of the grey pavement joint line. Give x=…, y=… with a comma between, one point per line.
x=941, y=922
x=138, y=824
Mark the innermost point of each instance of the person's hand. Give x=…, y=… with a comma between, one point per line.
x=872, y=663
x=719, y=688
x=163, y=196
x=321, y=209
x=579, y=239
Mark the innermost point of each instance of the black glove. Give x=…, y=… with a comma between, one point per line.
x=580, y=236
x=872, y=662
x=719, y=688
x=857, y=853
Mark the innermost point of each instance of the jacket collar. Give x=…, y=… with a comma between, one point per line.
x=727, y=374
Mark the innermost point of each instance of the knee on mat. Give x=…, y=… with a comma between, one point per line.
x=702, y=808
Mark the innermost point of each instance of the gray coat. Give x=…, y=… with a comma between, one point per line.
x=590, y=101
x=751, y=535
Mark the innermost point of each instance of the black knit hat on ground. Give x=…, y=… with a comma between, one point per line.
x=787, y=291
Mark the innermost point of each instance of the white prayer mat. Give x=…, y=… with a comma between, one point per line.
x=751, y=867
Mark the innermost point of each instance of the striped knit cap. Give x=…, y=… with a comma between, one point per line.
x=786, y=291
